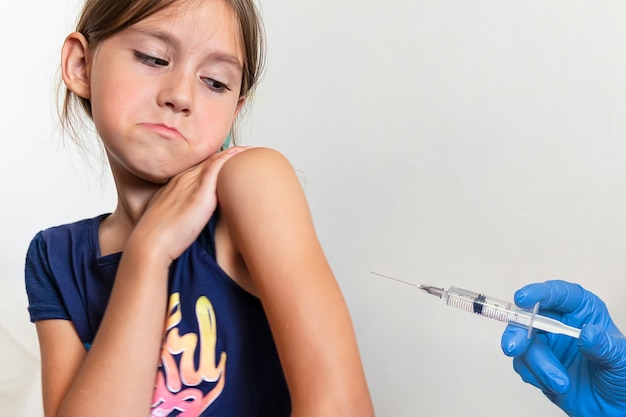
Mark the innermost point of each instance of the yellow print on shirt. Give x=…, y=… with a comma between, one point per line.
x=169, y=394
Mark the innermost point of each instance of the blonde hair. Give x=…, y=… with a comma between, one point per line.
x=101, y=19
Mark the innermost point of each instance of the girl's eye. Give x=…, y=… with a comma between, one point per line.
x=150, y=60
x=215, y=85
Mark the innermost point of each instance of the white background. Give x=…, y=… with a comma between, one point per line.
x=478, y=144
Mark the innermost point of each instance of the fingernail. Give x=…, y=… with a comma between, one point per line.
x=510, y=348
x=560, y=384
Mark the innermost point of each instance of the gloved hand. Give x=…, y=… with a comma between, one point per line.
x=586, y=377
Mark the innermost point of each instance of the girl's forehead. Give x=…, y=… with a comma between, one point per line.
x=196, y=22
x=203, y=12
x=194, y=6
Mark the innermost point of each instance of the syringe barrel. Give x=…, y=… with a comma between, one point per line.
x=474, y=302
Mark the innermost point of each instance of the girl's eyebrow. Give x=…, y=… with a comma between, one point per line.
x=158, y=34
x=226, y=58
x=168, y=39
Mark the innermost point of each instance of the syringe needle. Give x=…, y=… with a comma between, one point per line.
x=392, y=278
x=438, y=292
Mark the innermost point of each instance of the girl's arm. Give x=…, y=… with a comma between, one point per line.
x=117, y=376
x=270, y=225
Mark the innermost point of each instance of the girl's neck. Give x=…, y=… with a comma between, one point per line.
x=133, y=201
x=133, y=197
x=133, y=194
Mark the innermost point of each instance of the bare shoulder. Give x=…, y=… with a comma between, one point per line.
x=260, y=196
x=257, y=173
x=256, y=164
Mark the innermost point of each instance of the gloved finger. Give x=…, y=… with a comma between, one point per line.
x=529, y=377
x=514, y=341
x=526, y=373
x=541, y=366
x=556, y=295
x=607, y=350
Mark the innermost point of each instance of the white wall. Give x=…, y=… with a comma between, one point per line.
x=477, y=144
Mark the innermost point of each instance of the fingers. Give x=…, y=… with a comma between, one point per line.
x=555, y=295
x=230, y=151
x=534, y=361
x=215, y=163
x=608, y=350
x=206, y=171
x=218, y=158
x=515, y=340
x=221, y=157
x=212, y=166
x=539, y=366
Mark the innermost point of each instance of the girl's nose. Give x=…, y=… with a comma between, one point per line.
x=176, y=92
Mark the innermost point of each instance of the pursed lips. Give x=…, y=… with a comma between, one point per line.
x=164, y=130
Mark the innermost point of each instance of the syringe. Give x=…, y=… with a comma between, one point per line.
x=500, y=310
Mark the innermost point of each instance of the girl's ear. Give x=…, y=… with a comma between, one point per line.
x=75, y=64
x=240, y=104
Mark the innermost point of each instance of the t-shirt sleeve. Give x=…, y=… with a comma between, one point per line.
x=44, y=297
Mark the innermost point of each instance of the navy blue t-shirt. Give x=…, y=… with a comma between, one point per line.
x=218, y=355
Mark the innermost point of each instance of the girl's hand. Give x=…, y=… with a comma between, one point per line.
x=179, y=211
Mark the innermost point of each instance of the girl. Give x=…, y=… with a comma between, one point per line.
x=205, y=292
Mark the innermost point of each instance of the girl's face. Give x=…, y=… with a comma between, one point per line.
x=165, y=92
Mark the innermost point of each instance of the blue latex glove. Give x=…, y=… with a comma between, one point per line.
x=586, y=377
